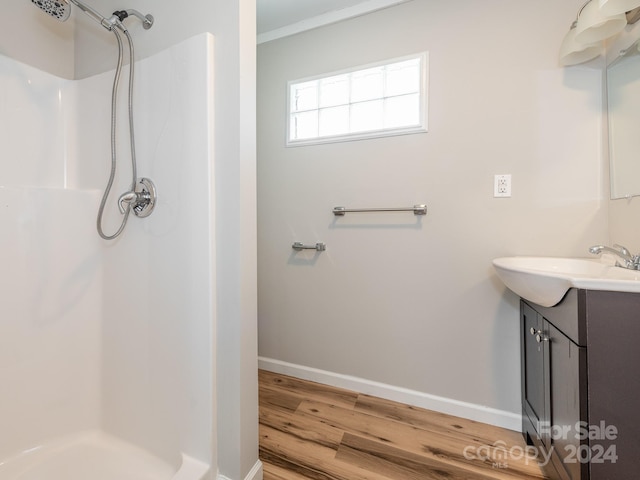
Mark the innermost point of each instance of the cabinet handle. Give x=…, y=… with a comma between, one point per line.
x=535, y=332
x=541, y=338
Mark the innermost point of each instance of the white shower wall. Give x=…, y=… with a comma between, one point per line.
x=113, y=335
x=159, y=328
x=36, y=114
x=49, y=315
x=49, y=303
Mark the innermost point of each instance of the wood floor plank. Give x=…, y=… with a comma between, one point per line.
x=447, y=449
x=308, y=431
x=308, y=459
x=307, y=389
x=279, y=399
x=398, y=464
x=434, y=421
x=307, y=428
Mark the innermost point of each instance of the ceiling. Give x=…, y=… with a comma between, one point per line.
x=274, y=14
x=279, y=18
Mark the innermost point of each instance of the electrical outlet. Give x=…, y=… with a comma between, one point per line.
x=502, y=186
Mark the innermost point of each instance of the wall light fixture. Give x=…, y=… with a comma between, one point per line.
x=597, y=20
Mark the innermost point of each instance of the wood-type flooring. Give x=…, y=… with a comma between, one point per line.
x=313, y=431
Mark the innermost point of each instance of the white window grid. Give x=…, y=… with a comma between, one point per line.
x=354, y=99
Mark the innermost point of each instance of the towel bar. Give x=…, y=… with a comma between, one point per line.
x=416, y=209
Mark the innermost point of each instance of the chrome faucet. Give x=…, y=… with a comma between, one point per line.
x=628, y=261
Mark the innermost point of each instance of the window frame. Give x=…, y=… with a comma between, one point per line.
x=420, y=127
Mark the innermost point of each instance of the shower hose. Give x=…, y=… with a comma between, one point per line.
x=114, y=145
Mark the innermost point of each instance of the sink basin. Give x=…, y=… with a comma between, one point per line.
x=545, y=280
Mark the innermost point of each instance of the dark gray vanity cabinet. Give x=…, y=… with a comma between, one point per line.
x=581, y=384
x=535, y=356
x=554, y=393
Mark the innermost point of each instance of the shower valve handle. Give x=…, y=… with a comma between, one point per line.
x=142, y=201
x=127, y=199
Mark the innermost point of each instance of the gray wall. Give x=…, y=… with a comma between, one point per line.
x=415, y=303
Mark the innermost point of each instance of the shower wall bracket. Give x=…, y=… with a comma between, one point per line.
x=147, y=20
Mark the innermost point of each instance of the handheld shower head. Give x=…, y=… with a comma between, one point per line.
x=61, y=10
x=58, y=9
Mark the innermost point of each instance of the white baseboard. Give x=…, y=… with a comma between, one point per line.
x=471, y=411
x=254, y=474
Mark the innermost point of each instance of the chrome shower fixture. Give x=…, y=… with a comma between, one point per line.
x=61, y=10
x=147, y=20
x=141, y=197
x=58, y=9
x=141, y=200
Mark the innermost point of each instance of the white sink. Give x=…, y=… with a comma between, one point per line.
x=545, y=280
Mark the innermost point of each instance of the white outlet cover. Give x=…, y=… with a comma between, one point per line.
x=502, y=186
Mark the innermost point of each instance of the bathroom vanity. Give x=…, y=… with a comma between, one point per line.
x=581, y=384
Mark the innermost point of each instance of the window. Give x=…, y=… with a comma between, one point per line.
x=377, y=100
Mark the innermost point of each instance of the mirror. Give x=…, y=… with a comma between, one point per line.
x=623, y=102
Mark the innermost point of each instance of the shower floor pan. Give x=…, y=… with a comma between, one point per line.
x=97, y=456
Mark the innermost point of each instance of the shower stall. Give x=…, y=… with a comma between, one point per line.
x=108, y=348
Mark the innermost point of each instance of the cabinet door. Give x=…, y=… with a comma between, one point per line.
x=533, y=370
x=567, y=364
